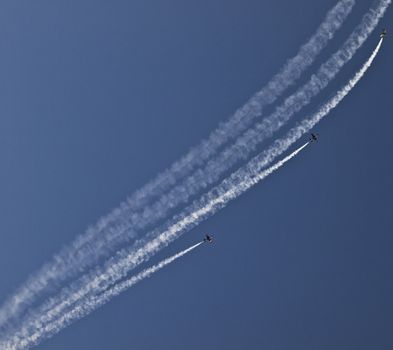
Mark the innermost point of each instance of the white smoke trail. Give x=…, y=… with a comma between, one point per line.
x=114, y=270
x=42, y=328
x=243, y=147
x=214, y=200
x=243, y=117
x=83, y=252
x=229, y=157
x=306, y=125
x=96, y=301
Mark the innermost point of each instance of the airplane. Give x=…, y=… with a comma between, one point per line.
x=314, y=137
x=208, y=239
x=384, y=32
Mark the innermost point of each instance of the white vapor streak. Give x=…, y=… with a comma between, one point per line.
x=40, y=329
x=210, y=203
x=96, y=301
x=124, y=261
x=247, y=143
x=243, y=117
x=115, y=228
x=306, y=125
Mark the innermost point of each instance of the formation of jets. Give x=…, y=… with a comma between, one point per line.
x=209, y=238
x=313, y=138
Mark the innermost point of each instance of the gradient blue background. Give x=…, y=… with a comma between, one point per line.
x=98, y=96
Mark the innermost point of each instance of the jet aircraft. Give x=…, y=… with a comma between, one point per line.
x=314, y=137
x=384, y=32
x=208, y=239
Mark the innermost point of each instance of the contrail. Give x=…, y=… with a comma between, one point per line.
x=211, y=202
x=134, y=222
x=95, y=302
x=371, y=22
x=306, y=125
x=42, y=328
x=84, y=252
x=243, y=117
x=245, y=144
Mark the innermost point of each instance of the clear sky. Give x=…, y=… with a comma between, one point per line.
x=99, y=96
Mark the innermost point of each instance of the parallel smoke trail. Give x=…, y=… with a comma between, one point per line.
x=306, y=125
x=35, y=332
x=243, y=117
x=247, y=143
x=211, y=202
x=95, y=302
x=84, y=251
x=120, y=266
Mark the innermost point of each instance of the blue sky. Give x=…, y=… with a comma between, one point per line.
x=98, y=97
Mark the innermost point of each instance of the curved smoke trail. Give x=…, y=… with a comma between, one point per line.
x=244, y=145
x=242, y=148
x=80, y=254
x=371, y=19
x=97, y=301
x=38, y=331
x=240, y=181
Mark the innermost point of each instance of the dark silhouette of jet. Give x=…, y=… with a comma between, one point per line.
x=208, y=239
x=314, y=137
